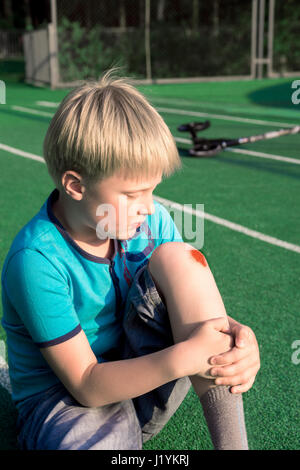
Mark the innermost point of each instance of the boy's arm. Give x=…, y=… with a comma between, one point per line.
x=95, y=384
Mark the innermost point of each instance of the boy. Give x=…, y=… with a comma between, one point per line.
x=109, y=317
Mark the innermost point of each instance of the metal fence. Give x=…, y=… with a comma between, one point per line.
x=41, y=56
x=275, y=34
x=173, y=40
x=154, y=39
x=11, y=44
x=286, y=50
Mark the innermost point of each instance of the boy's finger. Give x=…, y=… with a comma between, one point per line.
x=241, y=378
x=242, y=388
x=232, y=369
x=234, y=355
x=220, y=324
x=242, y=336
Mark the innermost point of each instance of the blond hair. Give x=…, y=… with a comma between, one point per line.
x=108, y=126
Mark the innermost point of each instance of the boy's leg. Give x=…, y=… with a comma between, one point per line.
x=55, y=421
x=147, y=330
x=180, y=283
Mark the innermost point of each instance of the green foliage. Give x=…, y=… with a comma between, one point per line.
x=181, y=52
x=219, y=46
x=175, y=51
x=286, y=36
x=82, y=54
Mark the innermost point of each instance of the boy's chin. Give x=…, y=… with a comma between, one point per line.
x=122, y=234
x=126, y=234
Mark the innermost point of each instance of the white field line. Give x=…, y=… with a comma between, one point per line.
x=31, y=111
x=15, y=151
x=187, y=141
x=200, y=114
x=264, y=155
x=183, y=208
x=230, y=225
x=47, y=104
x=51, y=104
x=248, y=152
x=290, y=114
x=225, y=117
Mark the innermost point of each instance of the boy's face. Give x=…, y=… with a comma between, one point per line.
x=115, y=205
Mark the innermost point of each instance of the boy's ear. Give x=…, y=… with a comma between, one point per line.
x=73, y=185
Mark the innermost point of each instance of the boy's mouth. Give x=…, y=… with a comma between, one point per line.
x=136, y=224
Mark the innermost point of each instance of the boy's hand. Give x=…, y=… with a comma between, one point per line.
x=209, y=338
x=239, y=366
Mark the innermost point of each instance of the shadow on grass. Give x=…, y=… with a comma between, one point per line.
x=12, y=70
x=278, y=95
x=8, y=417
x=278, y=168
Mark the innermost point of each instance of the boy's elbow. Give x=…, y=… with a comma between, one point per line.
x=83, y=398
x=89, y=400
x=89, y=393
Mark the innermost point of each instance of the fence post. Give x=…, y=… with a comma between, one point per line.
x=53, y=58
x=147, y=39
x=261, y=37
x=53, y=46
x=254, y=39
x=271, y=38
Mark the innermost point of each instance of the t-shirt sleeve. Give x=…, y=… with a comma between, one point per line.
x=168, y=231
x=39, y=294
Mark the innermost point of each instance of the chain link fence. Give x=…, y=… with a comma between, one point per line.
x=154, y=39
x=11, y=44
x=169, y=40
x=286, y=52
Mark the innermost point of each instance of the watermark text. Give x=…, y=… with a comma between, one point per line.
x=296, y=354
x=296, y=93
x=118, y=221
x=2, y=92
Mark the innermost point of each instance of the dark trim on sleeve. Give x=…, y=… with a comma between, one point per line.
x=61, y=339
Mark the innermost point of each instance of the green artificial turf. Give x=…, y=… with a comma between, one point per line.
x=259, y=282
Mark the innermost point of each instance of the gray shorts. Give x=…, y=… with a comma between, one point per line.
x=54, y=420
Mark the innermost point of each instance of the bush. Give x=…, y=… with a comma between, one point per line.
x=81, y=53
x=181, y=52
x=176, y=51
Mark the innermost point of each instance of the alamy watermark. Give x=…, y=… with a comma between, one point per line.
x=116, y=222
x=2, y=92
x=296, y=354
x=296, y=93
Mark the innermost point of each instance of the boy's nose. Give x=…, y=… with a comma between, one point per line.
x=150, y=207
x=147, y=208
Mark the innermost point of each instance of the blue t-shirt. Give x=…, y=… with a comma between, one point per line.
x=52, y=289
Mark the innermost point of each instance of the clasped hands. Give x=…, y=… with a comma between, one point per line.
x=238, y=366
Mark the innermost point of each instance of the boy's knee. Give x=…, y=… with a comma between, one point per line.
x=170, y=253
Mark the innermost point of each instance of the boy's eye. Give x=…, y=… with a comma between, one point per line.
x=132, y=196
